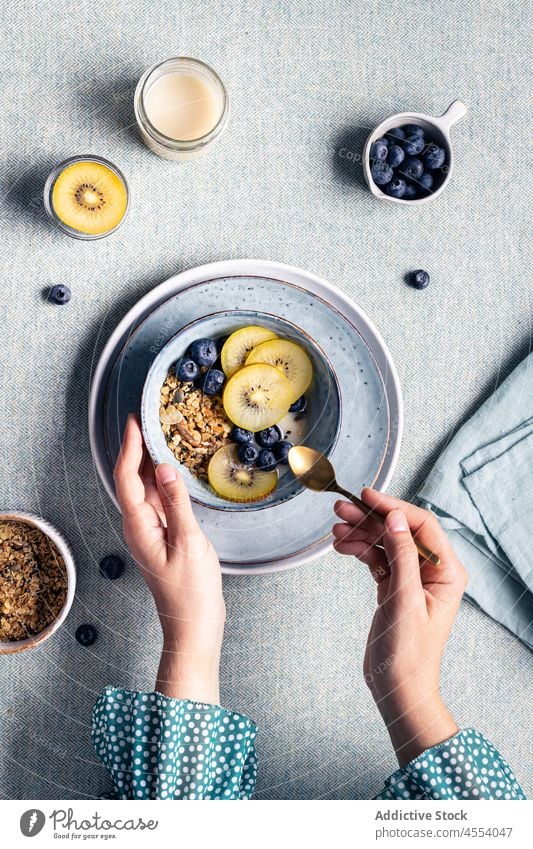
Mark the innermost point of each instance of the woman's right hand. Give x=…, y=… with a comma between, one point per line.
x=417, y=605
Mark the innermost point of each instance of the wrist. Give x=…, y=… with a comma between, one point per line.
x=189, y=671
x=416, y=723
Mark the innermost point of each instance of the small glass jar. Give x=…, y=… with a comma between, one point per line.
x=122, y=197
x=174, y=148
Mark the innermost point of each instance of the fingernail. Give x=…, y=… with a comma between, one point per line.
x=165, y=473
x=396, y=522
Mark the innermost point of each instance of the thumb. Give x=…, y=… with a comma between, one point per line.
x=405, y=581
x=176, y=503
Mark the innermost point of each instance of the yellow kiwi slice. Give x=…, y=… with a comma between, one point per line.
x=234, y=481
x=257, y=397
x=290, y=359
x=89, y=197
x=237, y=347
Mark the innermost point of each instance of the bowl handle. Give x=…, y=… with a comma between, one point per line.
x=454, y=113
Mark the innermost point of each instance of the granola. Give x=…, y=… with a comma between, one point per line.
x=33, y=581
x=194, y=424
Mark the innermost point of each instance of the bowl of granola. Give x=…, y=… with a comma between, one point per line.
x=37, y=581
x=227, y=397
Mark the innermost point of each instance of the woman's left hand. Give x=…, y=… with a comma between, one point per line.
x=179, y=565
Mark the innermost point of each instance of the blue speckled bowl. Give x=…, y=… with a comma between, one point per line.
x=323, y=401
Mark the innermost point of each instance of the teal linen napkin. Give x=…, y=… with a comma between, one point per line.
x=481, y=489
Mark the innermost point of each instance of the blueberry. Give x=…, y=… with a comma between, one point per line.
x=299, y=406
x=412, y=168
x=239, y=434
x=213, y=381
x=381, y=173
x=204, y=352
x=248, y=453
x=86, y=635
x=396, y=133
x=426, y=180
x=378, y=150
x=413, y=130
x=220, y=342
x=413, y=145
x=396, y=155
x=59, y=295
x=187, y=370
x=396, y=188
x=410, y=192
x=268, y=437
x=419, y=279
x=281, y=450
x=434, y=157
x=266, y=460
x=111, y=567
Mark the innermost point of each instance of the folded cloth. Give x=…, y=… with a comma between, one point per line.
x=481, y=489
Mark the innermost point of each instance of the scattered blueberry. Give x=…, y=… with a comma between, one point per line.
x=396, y=188
x=434, y=157
x=268, y=437
x=396, y=155
x=111, y=567
x=187, y=371
x=204, y=352
x=299, y=406
x=412, y=168
x=239, y=434
x=281, y=450
x=413, y=130
x=419, y=279
x=396, y=133
x=378, y=150
x=247, y=453
x=381, y=173
x=213, y=381
x=59, y=295
x=413, y=145
x=86, y=635
x=426, y=180
x=266, y=460
x=410, y=192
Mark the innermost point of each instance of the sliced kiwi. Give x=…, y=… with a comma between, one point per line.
x=89, y=197
x=237, y=346
x=290, y=359
x=257, y=397
x=234, y=481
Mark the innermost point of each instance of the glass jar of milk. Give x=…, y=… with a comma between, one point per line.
x=181, y=107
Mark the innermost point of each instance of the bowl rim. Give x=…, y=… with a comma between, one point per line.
x=14, y=646
x=237, y=507
x=396, y=120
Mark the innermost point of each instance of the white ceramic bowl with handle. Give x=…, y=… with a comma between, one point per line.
x=437, y=130
x=10, y=646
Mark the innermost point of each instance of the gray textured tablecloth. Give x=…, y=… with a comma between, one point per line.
x=306, y=83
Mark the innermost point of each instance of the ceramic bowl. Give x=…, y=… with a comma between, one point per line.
x=436, y=129
x=323, y=401
x=8, y=646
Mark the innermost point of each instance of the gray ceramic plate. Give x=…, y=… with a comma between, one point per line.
x=290, y=533
x=319, y=428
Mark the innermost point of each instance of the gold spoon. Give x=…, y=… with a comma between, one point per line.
x=315, y=472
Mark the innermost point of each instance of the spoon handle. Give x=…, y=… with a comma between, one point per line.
x=424, y=552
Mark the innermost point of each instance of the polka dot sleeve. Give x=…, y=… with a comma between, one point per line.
x=155, y=747
x=466, y=766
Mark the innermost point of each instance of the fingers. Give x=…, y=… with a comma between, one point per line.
x=128, y=484
x=353, y=515
x=176, y=504
x=150, y=488
x=423, y=524
x=405, y=582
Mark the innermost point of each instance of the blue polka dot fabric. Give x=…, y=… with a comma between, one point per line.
x=155, y=747
x=466, y=766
